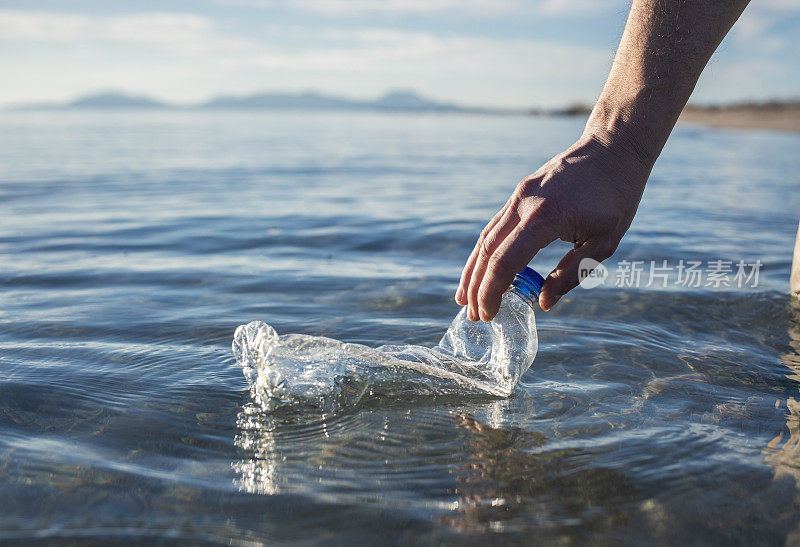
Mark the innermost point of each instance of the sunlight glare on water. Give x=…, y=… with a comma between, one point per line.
x=133, y=245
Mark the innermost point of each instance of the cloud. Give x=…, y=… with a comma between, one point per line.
x=742, y=80
x=142, y=50
x=755, y=26
x=179, y=32
x=471, y=69
x=482, y=8
x=784, y=7
x=351, y=7
x=577, y=7
x=379, y=49
x=188, y=57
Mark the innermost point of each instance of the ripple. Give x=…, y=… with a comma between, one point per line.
x=135, y=243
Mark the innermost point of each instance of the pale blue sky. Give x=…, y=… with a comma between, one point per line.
x=514, y=53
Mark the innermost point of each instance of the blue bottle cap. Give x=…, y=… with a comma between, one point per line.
x=529, y=283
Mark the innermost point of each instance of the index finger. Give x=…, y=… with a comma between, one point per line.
x=513, y=254
x=466, y=273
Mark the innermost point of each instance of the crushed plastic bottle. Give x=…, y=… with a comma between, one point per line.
x=331, y=375
x=491, y=356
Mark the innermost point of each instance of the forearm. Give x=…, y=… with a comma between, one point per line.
x=588, y=194
x=664, y=48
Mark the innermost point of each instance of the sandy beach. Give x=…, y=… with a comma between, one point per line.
x=772, y=116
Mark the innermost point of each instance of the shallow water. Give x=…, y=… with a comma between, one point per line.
x=134, y=244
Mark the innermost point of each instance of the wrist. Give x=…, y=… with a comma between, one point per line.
x=618, y=128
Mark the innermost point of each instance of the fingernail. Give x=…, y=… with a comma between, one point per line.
x=471, y=315
x=482, y=314
x=459, y=295
x=553, y=302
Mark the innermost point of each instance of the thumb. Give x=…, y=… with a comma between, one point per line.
x=566, y=276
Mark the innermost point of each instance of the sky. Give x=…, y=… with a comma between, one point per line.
x=503, y=53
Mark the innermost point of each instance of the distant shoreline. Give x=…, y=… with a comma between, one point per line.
x=774, y=116
x=769, y=116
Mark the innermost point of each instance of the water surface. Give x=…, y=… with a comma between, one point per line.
x=133, y=244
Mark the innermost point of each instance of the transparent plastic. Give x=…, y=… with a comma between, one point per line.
x=490, y=356
x=329, y=375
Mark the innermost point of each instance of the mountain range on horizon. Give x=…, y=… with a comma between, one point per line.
x=397, y=100
x=392, y=101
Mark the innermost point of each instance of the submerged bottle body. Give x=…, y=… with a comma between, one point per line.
x=301, y=371
x=493, y=355
x=504, y=347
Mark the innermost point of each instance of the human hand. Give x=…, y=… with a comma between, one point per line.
x=587, y=195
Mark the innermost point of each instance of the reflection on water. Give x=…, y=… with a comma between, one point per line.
x=500, y=479
x=507, y=483
x=783, y=451
x=576, y=456
x=135, y=243
x=260, y=472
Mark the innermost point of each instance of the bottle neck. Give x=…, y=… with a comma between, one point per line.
x=526, y=296
x=527, y=285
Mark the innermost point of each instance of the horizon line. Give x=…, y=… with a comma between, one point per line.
x=574, y=106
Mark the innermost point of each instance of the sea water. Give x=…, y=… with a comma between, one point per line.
x=133, y=244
